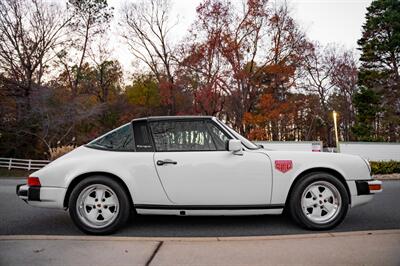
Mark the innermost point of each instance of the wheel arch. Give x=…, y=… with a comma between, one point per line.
x=81, y=177
x=331, y=171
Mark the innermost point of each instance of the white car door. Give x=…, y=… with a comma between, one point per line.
x=196, y=169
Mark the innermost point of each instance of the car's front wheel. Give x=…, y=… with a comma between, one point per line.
x=99, y=205
x=319, y=201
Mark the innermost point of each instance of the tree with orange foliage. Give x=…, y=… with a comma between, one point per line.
x=277, y=76
x=202, y=69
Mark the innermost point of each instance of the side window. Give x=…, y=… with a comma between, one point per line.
x=120, y=139
x=182, y=136
x=142, y=137
x=220, y=138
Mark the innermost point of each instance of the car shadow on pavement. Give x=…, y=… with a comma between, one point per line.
x=209, y=226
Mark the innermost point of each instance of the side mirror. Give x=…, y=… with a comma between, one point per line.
x=235, y=146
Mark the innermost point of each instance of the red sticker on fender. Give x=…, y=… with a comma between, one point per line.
x=283, y=165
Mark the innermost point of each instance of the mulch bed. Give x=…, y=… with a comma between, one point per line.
x=388, y=177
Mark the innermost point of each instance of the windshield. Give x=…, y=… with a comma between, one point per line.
x=247, y=143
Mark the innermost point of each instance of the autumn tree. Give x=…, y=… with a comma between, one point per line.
x=288, y=46
x=202, y=65
x=270, y=72
x=144, y=93
x=247, y=62
x=242, y=51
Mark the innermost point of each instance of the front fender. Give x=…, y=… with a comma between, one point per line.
x=350, y=167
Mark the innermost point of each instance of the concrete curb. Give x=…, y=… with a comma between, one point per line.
x=198, y=239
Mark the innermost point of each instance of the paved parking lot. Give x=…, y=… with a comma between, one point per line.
x=17, y=218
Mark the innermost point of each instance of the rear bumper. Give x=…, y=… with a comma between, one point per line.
x=48, y=197
x=27, y=193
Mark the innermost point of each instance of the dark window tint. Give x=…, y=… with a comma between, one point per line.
x=120, y=139
x=220, y=138
x=182, y=136
x=142, y=137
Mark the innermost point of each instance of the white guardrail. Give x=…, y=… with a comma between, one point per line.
x=373, y=151
x=25, y=164
x=315, y=146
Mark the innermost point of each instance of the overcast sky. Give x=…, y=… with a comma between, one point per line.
x=326, y=21
x=330, y=21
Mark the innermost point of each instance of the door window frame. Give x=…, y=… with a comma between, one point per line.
x=204, y=120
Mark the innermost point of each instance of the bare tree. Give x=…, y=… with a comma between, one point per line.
x=106, y=72
x=146, y=29
x=345, y=77
x=52, y=124
x=319, y=66
x=30, y=31
x=90, y=18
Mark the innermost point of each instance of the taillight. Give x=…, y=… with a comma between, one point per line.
x=33, y=181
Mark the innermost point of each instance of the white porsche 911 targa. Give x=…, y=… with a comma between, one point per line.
x=196, y=165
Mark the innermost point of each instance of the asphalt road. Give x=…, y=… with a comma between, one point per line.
x=18, y=218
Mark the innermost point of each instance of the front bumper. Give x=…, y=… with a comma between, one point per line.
x=368, y=187
x=363, y=191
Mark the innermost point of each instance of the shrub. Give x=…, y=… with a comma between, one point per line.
x=385, y=167
x=60, y=151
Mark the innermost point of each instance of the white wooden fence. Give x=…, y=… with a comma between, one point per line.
x=13, y=163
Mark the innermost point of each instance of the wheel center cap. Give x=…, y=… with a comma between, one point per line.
x=99, y=205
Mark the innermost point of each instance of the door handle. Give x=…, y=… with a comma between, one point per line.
x=166, y=161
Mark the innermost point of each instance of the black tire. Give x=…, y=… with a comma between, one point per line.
x=118, y=219
x=315, y=179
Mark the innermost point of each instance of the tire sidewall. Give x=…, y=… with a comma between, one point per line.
x=295, y=201
x=124, y=208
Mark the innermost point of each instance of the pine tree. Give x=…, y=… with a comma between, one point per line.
x=366, y=101
x=379, y=71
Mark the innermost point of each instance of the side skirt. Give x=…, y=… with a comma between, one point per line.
x=208, y=210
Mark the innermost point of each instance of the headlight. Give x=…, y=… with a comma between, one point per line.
x=368, y=165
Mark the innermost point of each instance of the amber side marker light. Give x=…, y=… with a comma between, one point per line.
x=33, y=181
x=374, y=187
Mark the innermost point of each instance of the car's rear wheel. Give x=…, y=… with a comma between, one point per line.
x=99, y=205
x=319, y=201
